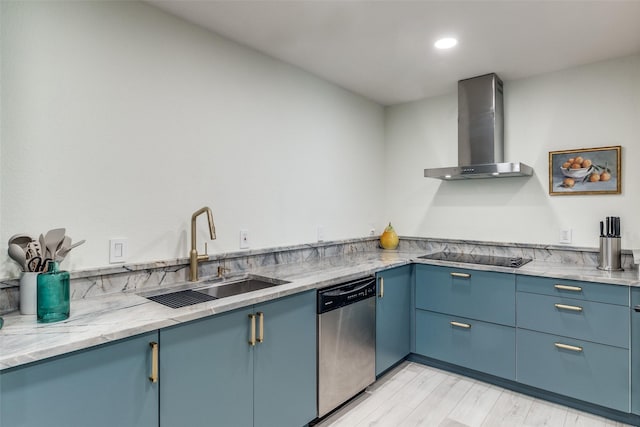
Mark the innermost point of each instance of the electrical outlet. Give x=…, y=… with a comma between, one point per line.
x=117, y=251
x=244, y=239
x=320, y=232
x=565, y=236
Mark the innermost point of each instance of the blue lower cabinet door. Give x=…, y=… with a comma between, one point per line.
x=206, y=372
x=285, y=362
x=482, y=346
x=105, y=386
x=393, y=317
x=635, y=350
x=583, y=370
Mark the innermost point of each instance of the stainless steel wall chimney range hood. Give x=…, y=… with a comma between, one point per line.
x=480, y=134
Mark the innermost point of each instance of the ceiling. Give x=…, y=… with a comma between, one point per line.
x=384, y=51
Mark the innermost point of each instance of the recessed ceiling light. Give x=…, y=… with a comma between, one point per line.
x=446, y=43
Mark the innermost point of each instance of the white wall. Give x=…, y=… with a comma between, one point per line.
x=590, y=106
x=119, y=120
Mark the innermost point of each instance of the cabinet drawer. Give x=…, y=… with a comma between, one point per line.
x=480, y=295
x=600, y=292
x=585, y=320
x=482, y=346
x=596, y=373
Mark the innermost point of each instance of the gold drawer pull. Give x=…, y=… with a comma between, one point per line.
x=463, y=275
x=568, y=288
x=568, y=347
x=461, y=325
x=261, y=328
x=154, y=362
x=252, y=340
x=381, y=287
x=568, y=307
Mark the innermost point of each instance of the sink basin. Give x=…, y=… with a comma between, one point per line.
x=212, y=290
x=242, y=286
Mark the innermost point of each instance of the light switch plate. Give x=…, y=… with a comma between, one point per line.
x=565, y=236
x=117, y=251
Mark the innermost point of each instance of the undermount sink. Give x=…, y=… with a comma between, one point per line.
x=248, y=284
x=214, y=289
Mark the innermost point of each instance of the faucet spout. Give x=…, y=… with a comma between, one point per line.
x=194, y=258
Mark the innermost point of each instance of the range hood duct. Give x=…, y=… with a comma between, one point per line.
x=480, y=134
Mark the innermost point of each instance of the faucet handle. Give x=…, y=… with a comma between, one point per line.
x=206, y=249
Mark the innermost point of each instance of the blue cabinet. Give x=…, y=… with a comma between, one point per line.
x=573, y=339
x=476, y=294
x=393, y=317
x=581, y=319
x=482, y=346
x=583, y=370
x=635, y=350
x=466, y=317
x=285, y=362
x=206, y=372
x=250, y=367
x=103, y=386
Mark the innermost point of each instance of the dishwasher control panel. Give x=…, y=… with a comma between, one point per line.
x=343, y=294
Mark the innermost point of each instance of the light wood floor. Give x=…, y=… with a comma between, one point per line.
x=417, y=395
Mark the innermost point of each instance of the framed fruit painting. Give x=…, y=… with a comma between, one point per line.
x=585, y=171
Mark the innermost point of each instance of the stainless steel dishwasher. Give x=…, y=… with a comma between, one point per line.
x=346, y=341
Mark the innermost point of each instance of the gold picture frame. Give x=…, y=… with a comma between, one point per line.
x=585, y=171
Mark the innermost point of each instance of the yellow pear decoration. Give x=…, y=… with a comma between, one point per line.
x=389, y=238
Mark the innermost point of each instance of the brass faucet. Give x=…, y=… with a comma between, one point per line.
x=194, y=258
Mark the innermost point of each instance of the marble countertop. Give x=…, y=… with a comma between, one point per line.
x=102, y=319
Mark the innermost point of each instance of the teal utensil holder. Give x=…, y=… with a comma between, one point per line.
x=53, y=295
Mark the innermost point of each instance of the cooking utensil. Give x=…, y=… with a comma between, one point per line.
x=64, y=245
x=38, y=264
x=33, y=250
x=52, y=240
x=63, y=252
x=601, y=228
x=43, y=244
x=21, y=240
x=18, y=255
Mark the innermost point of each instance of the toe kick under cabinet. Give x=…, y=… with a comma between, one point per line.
x=467, y=318
x=573, y=339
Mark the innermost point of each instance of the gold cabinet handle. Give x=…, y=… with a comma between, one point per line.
x=381, y=295
x=568, y=347
x=261, y=330
x=252, y=340
x=568, y=288
x=154, y=362
x=461, y=325
x=463, y=275
x=568, y=307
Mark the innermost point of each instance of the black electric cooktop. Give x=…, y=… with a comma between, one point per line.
x=499, y=261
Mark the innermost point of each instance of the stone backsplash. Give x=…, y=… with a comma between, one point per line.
x=148, y=276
